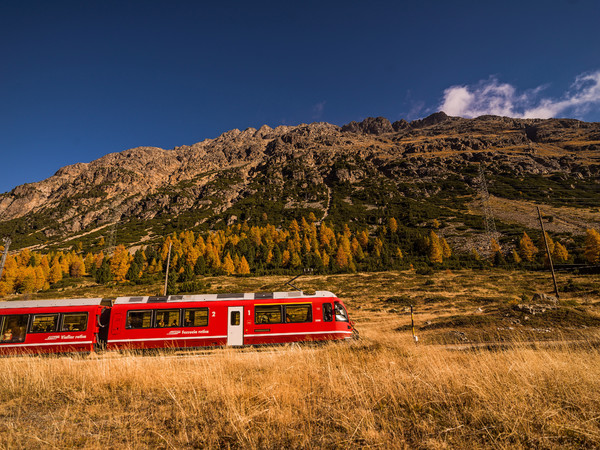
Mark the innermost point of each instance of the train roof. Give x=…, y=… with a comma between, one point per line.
x=224, y=297
x=53, y=302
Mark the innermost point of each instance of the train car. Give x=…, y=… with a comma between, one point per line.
x=51, y=326
x=181, y=321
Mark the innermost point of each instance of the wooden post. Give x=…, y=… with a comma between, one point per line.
x=412, y=323
x=168, y=264
x=548, y=252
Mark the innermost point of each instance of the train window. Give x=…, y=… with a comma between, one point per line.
x=327, y=312
x=44, y=323
x=195, y=317
x=298, y=313
x=167, y=318
x=74, y=322
x=14, y=328
x=340, y=313
x=267, y=314
x=235, y=318
x=139, y=319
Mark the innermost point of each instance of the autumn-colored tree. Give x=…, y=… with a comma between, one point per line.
x=98, y=260
x=342, y=258
x=119, y=263
x=77, y=267
x=527, y=249
x=560, y=253
x=244, y=267
x=592, y=246
x=56, y=273
x=294, y=227
x=228, y=265
x=515, y=256
x=494, y=246
x=64, y=263
x=285, y=258
x=23, y=257
x=325, y=258
x=346, y=232
x=399, y=253
x=45, y=265
x=392, y=225
x=435, y=251
x=363, y=239
x=378, y=247
x=326, y=236
x=295, y=260
x=550, y=242
x=446, y=250
x=88, y=261
x=26, y=280
x=306, y=247
x=41, y=281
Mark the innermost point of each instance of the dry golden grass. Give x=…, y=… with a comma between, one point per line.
x=382, y=391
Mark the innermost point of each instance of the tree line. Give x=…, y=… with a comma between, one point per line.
x=241, y=249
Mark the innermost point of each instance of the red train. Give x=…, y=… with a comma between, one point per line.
x=178, y=321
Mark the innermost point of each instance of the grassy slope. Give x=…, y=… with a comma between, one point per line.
x=380, y=391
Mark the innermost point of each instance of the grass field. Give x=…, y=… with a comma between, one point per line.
x=540, y=389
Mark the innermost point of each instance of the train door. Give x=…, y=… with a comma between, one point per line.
x=116, y=319
x=235, y=325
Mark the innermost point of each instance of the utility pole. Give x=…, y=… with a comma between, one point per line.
x=7, y=242
x=548, y=252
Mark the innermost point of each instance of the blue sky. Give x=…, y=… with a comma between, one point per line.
x=80, y=79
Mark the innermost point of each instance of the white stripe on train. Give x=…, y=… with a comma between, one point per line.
x=56, y=344
x=174, y=338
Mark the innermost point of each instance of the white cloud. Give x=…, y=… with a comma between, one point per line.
x=502, y=99
x=318, y=110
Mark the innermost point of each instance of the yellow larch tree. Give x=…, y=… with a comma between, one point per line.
x=560, y=253
x=244, y=267
x=592, y=246
x=119, y=263
x=285, y=258
x=527, y=249
x=363, y=239
x=446, y=250
x=435, y=253
x=392, y=224
x=228, y=265
x=56, y=273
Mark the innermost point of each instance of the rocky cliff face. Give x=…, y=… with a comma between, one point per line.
x=353, y=170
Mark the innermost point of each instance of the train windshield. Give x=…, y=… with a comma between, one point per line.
x=340, y=313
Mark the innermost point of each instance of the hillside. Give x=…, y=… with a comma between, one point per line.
x=359, y=173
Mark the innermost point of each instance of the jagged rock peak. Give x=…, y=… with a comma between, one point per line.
x=428, y=121
x=400, y=125
x=371, y=125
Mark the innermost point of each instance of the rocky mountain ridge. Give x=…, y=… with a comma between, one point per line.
x=353, y=170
